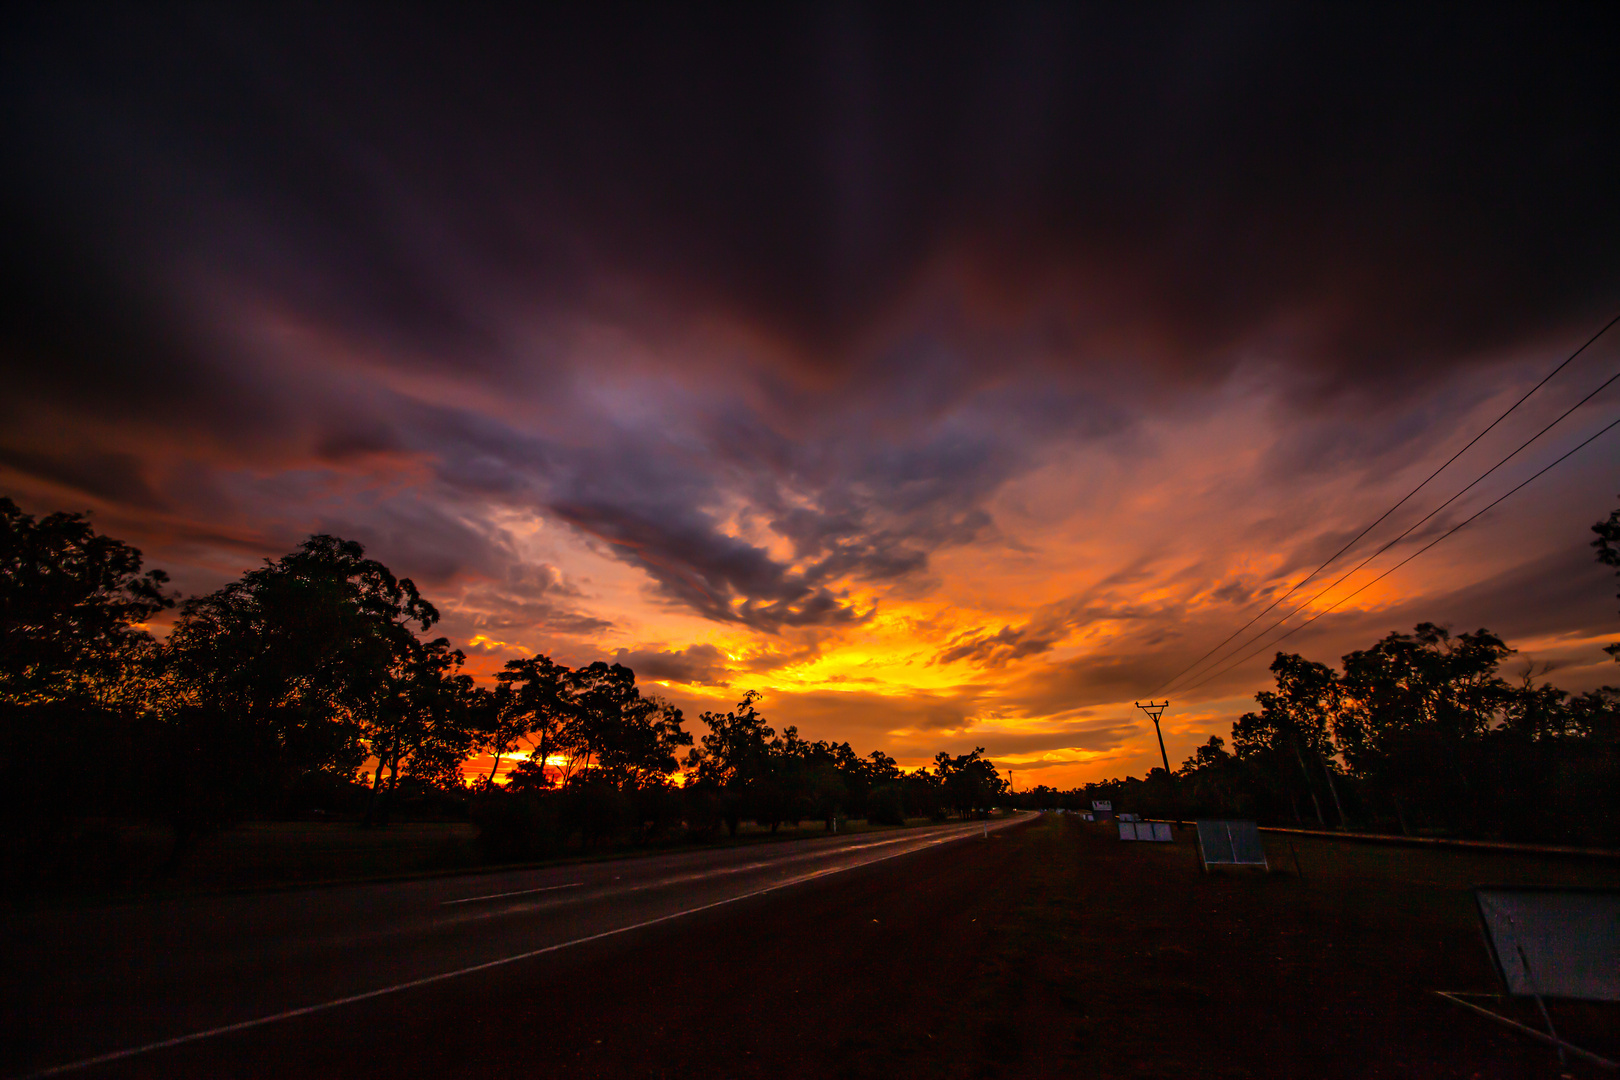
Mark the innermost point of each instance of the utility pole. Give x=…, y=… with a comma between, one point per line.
x=1155, y=709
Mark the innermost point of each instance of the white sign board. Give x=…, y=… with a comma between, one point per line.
x=1102, y=804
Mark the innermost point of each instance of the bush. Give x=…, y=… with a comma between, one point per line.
x=515, y=827
x=886, y=805
x=701, y=808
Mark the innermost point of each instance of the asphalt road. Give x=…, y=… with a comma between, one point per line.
x=280, y=983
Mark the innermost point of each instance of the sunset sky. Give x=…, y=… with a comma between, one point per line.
x=954, y=376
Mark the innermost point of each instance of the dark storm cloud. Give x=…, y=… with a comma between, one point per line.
x=695, y=665
x=852, y=509
x=717, y=576
x=1092, y=735
x=525, y=599
x=103, y=474
x=972, y=222
x=1381, y=184
x=650, y=507
x=864, y=716
x=1097, y=679
x=1000, y=648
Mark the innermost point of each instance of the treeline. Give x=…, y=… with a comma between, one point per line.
x=309, y=685
x=1418, y=734
x=742, y=771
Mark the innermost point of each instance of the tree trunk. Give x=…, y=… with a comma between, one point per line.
x=387, y=805
x=1333, y=789
x=1310, y=790
x=374, y=804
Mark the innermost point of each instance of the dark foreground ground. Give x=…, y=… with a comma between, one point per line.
x=1050, y=949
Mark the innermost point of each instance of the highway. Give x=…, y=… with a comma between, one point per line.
x=167, y=988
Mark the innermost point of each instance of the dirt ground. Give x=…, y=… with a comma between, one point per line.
x=1144, y=966
x=1050, y=950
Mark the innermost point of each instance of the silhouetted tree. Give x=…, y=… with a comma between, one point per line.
x=423, y=722
x=1608, y=553
x=532, y=702
x=733, y=758
x=1292, y=729
x=612, y=728
x=1416, y=709
x=72, y=605
x=299, y=655
x=969, y=782
x=75, y=671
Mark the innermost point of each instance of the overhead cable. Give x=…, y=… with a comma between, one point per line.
x=1399, y=503
x=1569, y=453
x=1423, y=520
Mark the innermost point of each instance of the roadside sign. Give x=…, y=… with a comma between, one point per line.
x=1158, y=831
x=1102, y=804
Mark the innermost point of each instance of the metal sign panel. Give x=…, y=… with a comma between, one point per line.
x=1145, y=830
x=1230, y=843
x=1127, y=831
x=1554, y=942
x=1161, y=832
x=1102, y=804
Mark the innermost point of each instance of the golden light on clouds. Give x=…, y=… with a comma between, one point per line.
x=940, y=426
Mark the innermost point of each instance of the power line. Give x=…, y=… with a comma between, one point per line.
x=1421, y=521
x=1354, y=540
x=1569, y=453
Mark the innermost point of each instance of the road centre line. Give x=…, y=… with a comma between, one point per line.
x=428, y=980
x=516, y=892
x=683, y=879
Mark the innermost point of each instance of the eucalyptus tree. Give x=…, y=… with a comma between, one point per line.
x=1416, y=711
x=76, y=670
x=73, y=605
x=969, y=783
x=531, y=703
x=298, y=656
x=423, y=722
x=1293, y=726
x=732, y=759
x=1608, y=553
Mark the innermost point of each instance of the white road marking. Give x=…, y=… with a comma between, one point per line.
x=518, y=892
x=428, y=980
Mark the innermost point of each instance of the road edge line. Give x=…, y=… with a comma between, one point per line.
x=427, y=980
